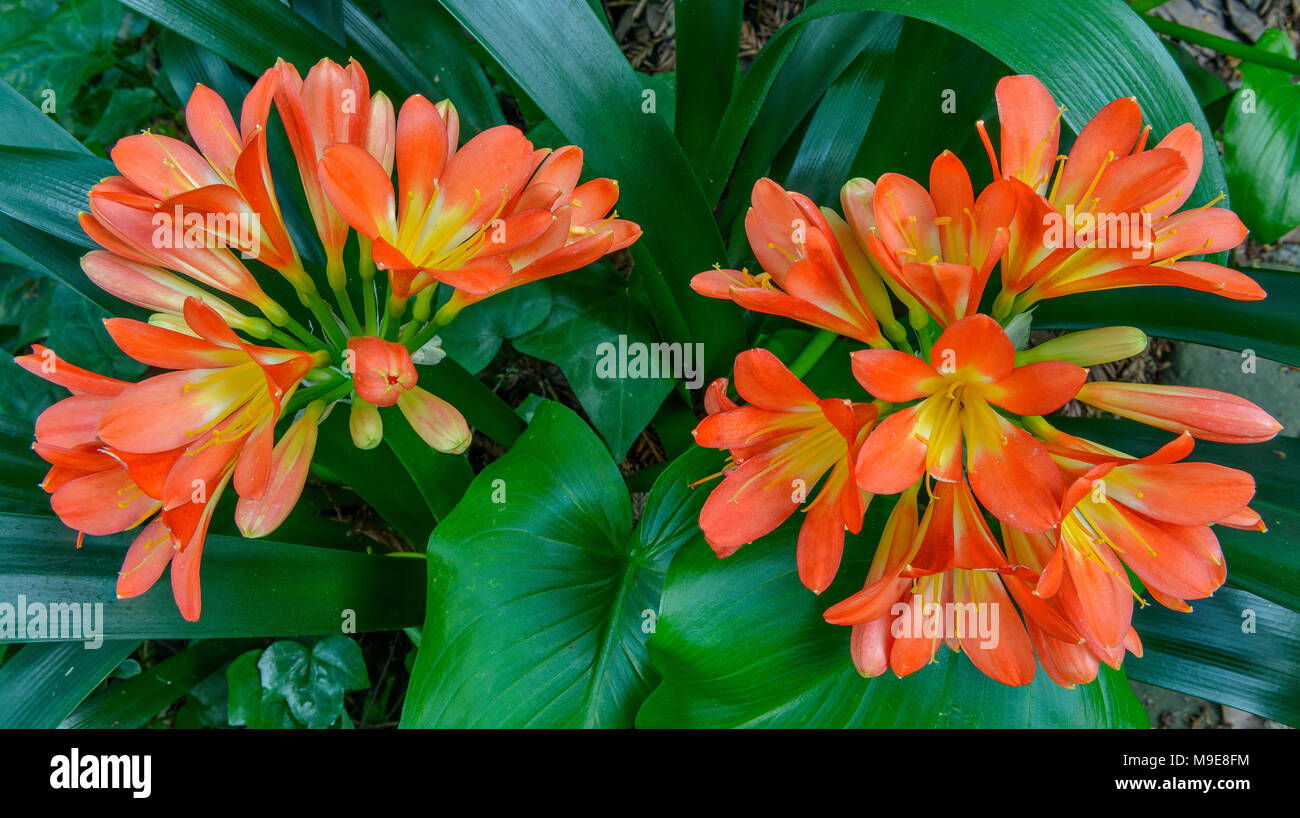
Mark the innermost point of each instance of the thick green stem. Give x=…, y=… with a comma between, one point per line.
x=1232, y=48
x=287, y=341
x=326, y=319
x=813, y=352
x=423, y=336
x=301, y=333
x=393, y=316
x=329, y=392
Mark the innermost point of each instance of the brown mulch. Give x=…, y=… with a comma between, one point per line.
x=644, y=29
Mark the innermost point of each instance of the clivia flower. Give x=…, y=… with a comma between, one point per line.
x=168, y=444
x=1075, y=517
x=950, y=561
x=807, y=274
x=941, y=245
x=158, y=454
x=585, y=227
x=972, y=368
x=486, y=216
x=1121, y=197
x=781, y=445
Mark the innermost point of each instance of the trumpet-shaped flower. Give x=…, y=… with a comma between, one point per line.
x=585, y=227
x=1109, y=216
x=169, y=444
x=781, y=445
x=949, y=562
x=806, y=273
x=939, y=245
x=1153, y=514
x=332, y=106
x=972, y=368
x=465, y=216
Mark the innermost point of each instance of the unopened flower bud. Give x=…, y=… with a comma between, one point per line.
x=365, y=424
x=381, y=370
x=1088, y=347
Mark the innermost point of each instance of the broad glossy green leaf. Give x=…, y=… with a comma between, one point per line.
x=250, y=587
x=541, y=593
x=1261, y=146
x=591, y=330
x=616, y=136
x=475, y=337
x=1267, y=326
x=1235, y=648
x=741, y=643
x=45, y=681
x=138, y=700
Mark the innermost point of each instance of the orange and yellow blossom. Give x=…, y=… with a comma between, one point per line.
x=781, y=445
x=168, y=444
x=1118, y=199
x=971, y=369
x=489, y=215
x=813, y=271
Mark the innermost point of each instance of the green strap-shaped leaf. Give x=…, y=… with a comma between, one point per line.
x=441, y=478
x=741, y=643
x=21, y=471
x=707, y=36
x=377, y=475
x=595, y=98
x=939, y=84
x=1267, y=327
x=250, y=587
x=822, y=53
x=836, y=130
x=252, y=35
x=434, y=40
x=1234, y=648
x=47, y=189
x=541, y=595
x=44, y=681
x=23, y=125
x=1086, y=55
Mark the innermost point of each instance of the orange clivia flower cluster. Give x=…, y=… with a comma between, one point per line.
x=196, y=236
x=956, y=428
